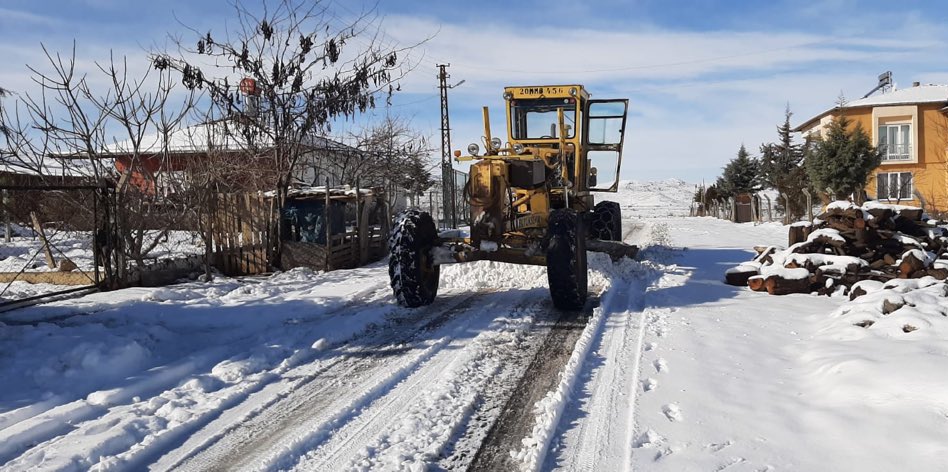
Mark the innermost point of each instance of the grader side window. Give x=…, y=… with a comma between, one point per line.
x=537, y=119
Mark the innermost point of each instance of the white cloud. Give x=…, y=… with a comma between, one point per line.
x=10, y=16
x=695, y=96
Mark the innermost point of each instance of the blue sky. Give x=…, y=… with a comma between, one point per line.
x=702, y=77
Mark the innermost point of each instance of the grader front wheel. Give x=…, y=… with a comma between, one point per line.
x=566, y=260
x=414, y=276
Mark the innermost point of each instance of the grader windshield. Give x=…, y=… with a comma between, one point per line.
x=537, y=118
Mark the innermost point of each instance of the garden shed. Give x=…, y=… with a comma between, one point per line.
x=333, y=228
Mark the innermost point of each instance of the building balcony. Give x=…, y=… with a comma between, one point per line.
x=896, y=152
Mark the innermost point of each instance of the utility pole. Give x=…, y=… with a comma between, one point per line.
x=447, y=170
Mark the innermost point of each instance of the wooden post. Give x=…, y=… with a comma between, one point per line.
x=362, y=225
x=809, y=204
x=7, y=227
x=42, y=234
x=755, y=209
x=328, y=227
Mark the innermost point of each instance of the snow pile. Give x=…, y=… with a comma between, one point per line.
x=901, y=309
x=491, y=275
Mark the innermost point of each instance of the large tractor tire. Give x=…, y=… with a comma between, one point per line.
x=606, y=224
x=411, y=269
x=566, y=260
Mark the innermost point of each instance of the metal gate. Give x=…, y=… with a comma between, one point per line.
x=57, y=240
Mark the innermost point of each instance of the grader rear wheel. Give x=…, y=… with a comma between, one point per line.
x=606, y=222
x=414, y=276
x=566, y=260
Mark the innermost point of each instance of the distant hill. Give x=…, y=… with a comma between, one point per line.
x=670, y=197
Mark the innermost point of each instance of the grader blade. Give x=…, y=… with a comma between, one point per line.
x=616, y=250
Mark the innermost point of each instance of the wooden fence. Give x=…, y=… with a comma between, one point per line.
x=245, y=228
x=242, y=231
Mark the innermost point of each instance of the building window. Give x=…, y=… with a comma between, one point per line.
x=894, y=186
x=896, y=142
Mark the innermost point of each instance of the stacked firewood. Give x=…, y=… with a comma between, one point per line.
x=847, y=244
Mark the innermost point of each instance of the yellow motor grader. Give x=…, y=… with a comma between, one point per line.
x=531, y=197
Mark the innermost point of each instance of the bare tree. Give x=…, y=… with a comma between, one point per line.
x=394, y=156
x=82, y=123
x=299, y=70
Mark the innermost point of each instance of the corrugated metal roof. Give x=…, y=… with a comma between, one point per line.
x=201, y=137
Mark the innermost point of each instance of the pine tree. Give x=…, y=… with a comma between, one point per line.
x=741, y=175
x=840, y=162
x=781, y=168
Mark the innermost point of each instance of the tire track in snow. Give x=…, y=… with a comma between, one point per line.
x=538, y=383
x=603, y=439
x=25, y=440
x=389, y=411
x=277, y=435
x=57, y=422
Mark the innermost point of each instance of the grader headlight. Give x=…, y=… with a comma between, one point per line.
x=496, y=143
x=518, y=148
x=473, y=149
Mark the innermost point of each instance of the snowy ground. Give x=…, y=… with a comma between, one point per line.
x=674, y=371
x=24, y=253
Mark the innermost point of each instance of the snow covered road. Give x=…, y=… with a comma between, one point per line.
x=668, y=368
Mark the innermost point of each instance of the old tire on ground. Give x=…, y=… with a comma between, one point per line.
x=411, y=269
x=606, y=222
x=566, y=259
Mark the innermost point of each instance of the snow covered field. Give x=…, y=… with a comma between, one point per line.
x=306, y=371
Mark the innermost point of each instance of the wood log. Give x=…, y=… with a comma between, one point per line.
x=765, y=256
x=881, y=213
x=908, y=226
x=739, y=275
x=756, y=283
x=877, y=264
x=796, y=235
x=940, y=274
x=856, y=293
x=910, y=265
x=777, y=285
x=829, y=241
x=50, y=261
x=911, y=214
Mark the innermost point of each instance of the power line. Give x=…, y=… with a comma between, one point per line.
x=651, y=66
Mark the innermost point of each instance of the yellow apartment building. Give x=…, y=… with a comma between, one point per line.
x=911, y=126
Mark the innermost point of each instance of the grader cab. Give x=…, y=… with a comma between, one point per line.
x=531, y=197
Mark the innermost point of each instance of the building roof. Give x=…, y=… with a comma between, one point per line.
x=205, y=136
x=929, y=93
